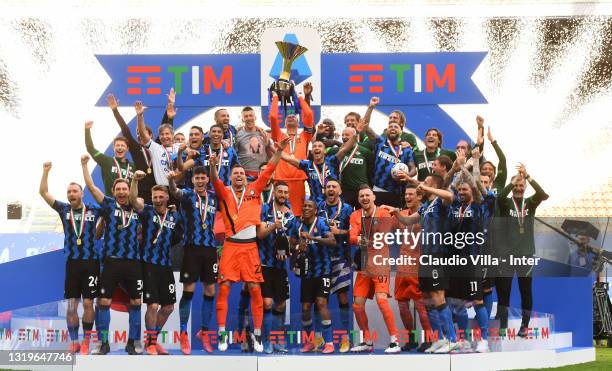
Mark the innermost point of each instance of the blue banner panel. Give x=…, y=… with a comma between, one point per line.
x=401, y=78
x=205, y=80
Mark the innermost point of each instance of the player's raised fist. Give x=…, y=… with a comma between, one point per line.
x=171, y=175
x=84, y=159
x=480, y=122
x=171, y=96
x=139, y=175
x=139, y=107
x=374, y=101
x=112, y=102
x=307, y=89
x=489, y=135
x=47, y=166
x=88, y=124
x=182, y=147
x=476, y=153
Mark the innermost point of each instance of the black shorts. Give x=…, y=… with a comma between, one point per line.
x=159, y=286
x=199, y=263
x=81, y=279
x=466, y=283
x=275, y=284
x=313, y=288
x=432, y=277
x=127, y=272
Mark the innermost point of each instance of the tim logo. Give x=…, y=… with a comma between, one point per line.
x=147, y=80
x=369, y=78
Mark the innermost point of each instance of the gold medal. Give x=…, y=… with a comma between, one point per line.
x=79, y=241
x=521, y=229
x=148, y=170
x=203, y=226
x=235, y=217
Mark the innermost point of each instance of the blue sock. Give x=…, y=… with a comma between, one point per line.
x=327, y=331
x=345, y=317
x=434, y=321
x=317, y=321
x=482, y=316
x=185, y=309
x=278, y=322
x=206, y=311
x=461, y=316
x=446, y=322
x=267, y=323
x=243, y=310
x=307, y=326
x=103, y=322
x=73, y=331
x=488, y=302
x=134, y=320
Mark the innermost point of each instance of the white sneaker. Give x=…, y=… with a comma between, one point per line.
x=138, y=346
x=482, y=346
x=222, y=346
x=393, y=348
x=437, y=345
x=465, y=346
x=257, y=343
x=363, y=348
x=450, y=347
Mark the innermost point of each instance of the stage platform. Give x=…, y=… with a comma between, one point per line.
x=235, y=361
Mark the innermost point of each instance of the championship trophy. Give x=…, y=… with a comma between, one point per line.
x=284, y=87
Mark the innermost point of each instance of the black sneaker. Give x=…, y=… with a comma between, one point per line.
x=409, y=346
x=423, y=347
x=101, y=348
x=130, y=349
x=522, y=332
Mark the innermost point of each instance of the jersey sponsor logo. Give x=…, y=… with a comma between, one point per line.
x=387, y=157
x=514, y=214
x=357, y=161
x=468, y=214
x=89, y=217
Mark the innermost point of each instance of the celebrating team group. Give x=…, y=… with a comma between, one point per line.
x=297, y=199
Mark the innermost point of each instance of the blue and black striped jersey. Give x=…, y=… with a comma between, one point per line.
x=385, y=156
x=121, y=230
x=229, y=159
x=338, y=215
x=434, y=224
x=82, y=229
x=470, y=218
x=157, y=239
x=319, y=174
x=267, y=253
x=198, y=232
x=318, y=257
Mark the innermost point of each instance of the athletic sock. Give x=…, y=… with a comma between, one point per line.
x=267, y=323
x=256, y=307
x=488, y=302
x=185, y=309
x=482, y=316
x=362, y=320
x=103, y=322
x=135, y=322
x=327, y=330
x=224, y=291
x=206, y=311
x=446, y=322
x=387, y=313
x=345, y=317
